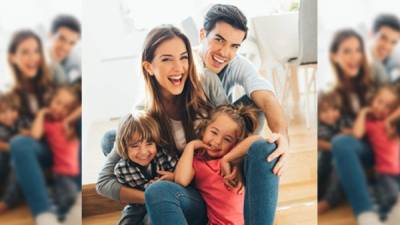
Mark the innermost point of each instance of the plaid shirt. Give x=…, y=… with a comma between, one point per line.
x=137, y=176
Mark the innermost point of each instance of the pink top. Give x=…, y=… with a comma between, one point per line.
x=386, y=151
x=224, y=207
x=65, y=152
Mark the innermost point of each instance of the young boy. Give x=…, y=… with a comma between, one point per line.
x=10, y=125
x=143, y=161
x=330, y=123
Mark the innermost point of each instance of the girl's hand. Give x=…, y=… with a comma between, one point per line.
x=166, y=175
x=197, y=144
x=232, y=176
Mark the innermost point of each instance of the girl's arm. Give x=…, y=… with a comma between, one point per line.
x=184, y=171
x=38, y=124
x=393, y=116
x=324, y=145
x=359, y=124
x=241, y=149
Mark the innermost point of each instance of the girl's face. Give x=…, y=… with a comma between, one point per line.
x=383, y=104
x=349, y=57
x=170, y=66
x=27, y=57
x=141, y=152
x=221, y=135
x=61, y=104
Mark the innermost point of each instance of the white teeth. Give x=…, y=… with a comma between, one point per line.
x=177, y=77
x=218, y=59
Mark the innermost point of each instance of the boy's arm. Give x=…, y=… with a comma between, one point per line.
x=359, y=124
x=38, y=124
x=184, y=171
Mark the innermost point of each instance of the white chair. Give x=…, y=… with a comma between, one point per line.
x=277, y=37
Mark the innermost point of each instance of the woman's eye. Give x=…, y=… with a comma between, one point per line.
x=185, y=57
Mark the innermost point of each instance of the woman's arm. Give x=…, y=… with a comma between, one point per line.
x=394, y=116
x=107, y=184
x=324, y=145
x=38, y=124
x=184, y=171
x=4, y=146
x=131, y=195
x=359, y=124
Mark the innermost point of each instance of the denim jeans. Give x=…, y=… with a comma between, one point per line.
x=329, y=187
x=29, y=156
x=169, y=203
x=134, y=214
x=352, y=156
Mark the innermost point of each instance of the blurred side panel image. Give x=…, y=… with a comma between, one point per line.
x=40, y=112
x=359, y=112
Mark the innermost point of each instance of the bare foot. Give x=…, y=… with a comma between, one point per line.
x=323, y=206
x=3, y=207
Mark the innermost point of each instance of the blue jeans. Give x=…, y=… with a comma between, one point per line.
x=29, y=156
x=351, y=156
x=169, y=203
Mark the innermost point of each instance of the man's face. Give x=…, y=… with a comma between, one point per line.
x=384, y=41
x=63, y=40
x=220, y=45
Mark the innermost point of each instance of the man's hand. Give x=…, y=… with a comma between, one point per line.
x=280, y=152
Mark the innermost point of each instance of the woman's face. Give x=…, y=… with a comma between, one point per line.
x=349, y=57
x=221, y=136
x=170, y=66
x=27, y=57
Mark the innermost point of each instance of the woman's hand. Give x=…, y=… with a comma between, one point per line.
x=166, y=175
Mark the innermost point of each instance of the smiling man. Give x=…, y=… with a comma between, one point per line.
x=385, y=37
x=65, y=33
x=224, y=30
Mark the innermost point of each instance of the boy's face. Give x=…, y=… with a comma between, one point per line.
x=63, y=40
x=221, y=136
x=383, y=104
x=61, y=104
x=329, y=116
x=141, y=152
x=384, y=42
x=220, y=45
x=8, y=117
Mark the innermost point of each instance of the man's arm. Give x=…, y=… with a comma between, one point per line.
x=267, y=102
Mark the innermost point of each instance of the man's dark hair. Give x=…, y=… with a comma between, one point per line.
x=67, y=21
x=386, y=20
x=226, y=13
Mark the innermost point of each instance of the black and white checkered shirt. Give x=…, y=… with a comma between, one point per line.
x=137, y=176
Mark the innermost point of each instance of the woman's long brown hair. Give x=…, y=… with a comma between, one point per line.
x=40, y=84
x=360, y=83
x=194, y=100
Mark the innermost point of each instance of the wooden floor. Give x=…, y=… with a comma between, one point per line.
x=17, y=216
x=339, y=216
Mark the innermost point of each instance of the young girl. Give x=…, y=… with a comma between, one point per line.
x=220, y=134
x=63, y=143
x=143, y=160
x=371, y=121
